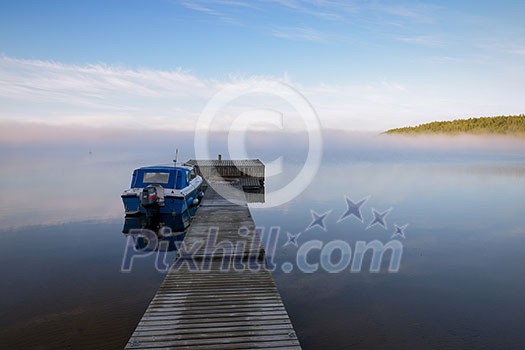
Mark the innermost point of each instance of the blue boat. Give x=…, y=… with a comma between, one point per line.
x=174, y=190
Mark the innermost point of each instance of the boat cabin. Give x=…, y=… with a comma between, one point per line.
x=166, y=176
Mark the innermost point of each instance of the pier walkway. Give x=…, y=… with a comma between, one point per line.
x=217, y=299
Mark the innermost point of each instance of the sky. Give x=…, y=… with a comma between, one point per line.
x=362, y=65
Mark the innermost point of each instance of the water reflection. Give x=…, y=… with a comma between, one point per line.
x=153, y=232
x=458, y=285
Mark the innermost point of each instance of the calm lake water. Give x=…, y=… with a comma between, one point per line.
x=461, y=282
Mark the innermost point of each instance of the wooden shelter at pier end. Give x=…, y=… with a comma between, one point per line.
x=249, y=171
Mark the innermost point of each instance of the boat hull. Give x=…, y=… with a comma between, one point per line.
x=162, y=190
x=180, y=208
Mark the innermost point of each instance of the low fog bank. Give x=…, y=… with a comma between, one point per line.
x=337, y=145
x=375, y=146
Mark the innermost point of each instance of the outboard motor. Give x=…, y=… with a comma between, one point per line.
x=150, y=201
x=149, y=196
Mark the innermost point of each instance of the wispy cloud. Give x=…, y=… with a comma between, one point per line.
x=355, y=14
x=217, y=9
x=199, y=8
x=504, y=46
x=322, y=9
x=34, y=78
x=445, y=59
x=423, y=40
x=520, y=51
x=299, y=34
x=417, y=12
x=99, y=95
x=343, y=10
x=104, y=96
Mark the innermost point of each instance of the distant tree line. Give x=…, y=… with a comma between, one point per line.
x=500, y=125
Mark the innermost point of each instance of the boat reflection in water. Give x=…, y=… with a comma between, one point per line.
x=153, y=232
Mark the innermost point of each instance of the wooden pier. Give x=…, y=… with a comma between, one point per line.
x=230, y=300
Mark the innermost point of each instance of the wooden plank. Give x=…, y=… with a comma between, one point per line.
x=210, y=307
x=261, y=341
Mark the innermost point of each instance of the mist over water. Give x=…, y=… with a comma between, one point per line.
x=70, y=175
x=458, y=286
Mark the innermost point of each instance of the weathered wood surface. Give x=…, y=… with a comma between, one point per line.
x=216, y=307
x=242, y=168
x=224, y=228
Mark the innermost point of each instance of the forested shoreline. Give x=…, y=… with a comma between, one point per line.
x=499, y=125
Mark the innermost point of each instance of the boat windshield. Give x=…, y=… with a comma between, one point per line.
x=155, y=178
